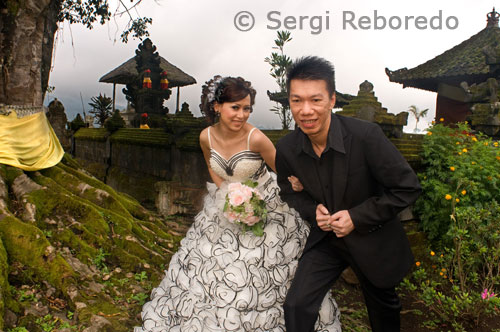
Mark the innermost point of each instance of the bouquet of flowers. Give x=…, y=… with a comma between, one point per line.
x=244, y=205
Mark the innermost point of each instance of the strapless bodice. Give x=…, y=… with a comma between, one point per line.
x=240, y=167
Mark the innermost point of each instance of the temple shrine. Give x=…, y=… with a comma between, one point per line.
x=465, y=78
x=149, y=79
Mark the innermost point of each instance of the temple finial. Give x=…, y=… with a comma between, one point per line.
x=492, y=20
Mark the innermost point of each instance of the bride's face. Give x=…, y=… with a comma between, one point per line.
x=233, y=115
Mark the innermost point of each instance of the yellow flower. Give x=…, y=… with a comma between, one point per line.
x=460, y=153
x=441, y=120
x=486, y=143
x=452, y=169
x=498, y=158
x=445, y=276
x=474, y=139
x=433, y=122
x=441, y=255
x=457, y=143
x=447, y=197
x=464, y=150
x=429, y=133
x=432, y=254
x=441, y=273
x=417, y=263
x=473, y=163
x=495, y=144
x=464, y=192
x=443, y=269
x=457, y=200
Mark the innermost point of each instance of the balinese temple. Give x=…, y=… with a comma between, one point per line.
x=460, y=75
x=366, y=106
x=149, y=79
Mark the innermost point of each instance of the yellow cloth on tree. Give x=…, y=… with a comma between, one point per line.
x=29, y=142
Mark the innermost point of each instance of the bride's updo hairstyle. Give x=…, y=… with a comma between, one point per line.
x=223, y=90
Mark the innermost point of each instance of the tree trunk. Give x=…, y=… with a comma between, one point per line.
x=27, y=31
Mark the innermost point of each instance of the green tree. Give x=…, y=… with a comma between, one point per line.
x=77, y=123
x=101, y=108
x=115, y=122
x=417, y=114
x=279, y=62
x=31, y=25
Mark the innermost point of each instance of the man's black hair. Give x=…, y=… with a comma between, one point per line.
x=312, y=68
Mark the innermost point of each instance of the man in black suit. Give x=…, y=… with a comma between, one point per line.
x=355, y=183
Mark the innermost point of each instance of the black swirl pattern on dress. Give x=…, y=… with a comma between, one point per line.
x=223, y=279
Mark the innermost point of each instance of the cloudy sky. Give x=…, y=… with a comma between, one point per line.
x=201, y=38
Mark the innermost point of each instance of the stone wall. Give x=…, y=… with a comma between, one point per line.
x=155, y=167
x=167, y=170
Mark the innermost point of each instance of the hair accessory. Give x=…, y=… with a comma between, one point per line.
x=213, y=89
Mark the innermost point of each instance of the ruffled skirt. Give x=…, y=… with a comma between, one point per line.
x=224, y=279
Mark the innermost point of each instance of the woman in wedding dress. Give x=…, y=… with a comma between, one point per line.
x=223, y=278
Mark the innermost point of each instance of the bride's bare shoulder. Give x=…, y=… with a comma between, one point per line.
x=204, y=138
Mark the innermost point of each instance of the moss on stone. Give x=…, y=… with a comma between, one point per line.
x=136, y=136
x=92, y=134
x=84, y=190
x=70, y=161
x=96, y=169
x=103, y=307
x=129, y=203
x=4, y=282
x=11, y=173
x=26, y=244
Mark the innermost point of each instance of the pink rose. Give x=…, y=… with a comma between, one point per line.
x=231, y=216
x=236, y=198
x=234, y=186
x=247, y=191
x=251, y=220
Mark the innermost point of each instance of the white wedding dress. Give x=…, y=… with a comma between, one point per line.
x=223, y=279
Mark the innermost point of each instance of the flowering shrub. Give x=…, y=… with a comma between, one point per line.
x=460, y=213
x=245, y=205
x=461, y=170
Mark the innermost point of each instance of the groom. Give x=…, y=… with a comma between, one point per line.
x=355, y=183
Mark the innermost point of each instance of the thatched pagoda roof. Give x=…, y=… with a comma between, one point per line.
x=127, y=72
x=464, y=62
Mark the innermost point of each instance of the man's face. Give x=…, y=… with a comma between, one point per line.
x=311, y=106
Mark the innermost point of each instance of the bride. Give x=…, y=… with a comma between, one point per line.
x=222, y=278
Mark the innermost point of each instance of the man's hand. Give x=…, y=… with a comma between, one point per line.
x=323, y=218
x=341, y=223
x=295, y=182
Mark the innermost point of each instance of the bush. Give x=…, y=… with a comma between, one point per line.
x=461, y=170
x=460, y=213
x=77, y=123
x=115, y=122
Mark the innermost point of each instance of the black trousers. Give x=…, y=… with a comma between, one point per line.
x=316, y=273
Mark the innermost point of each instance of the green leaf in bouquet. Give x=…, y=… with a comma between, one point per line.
x=239, y=208
x=257, y=229
x=226, y=206
x=250, y=183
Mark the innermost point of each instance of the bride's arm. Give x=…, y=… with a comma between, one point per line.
x=260, y=143
x=205, y=147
